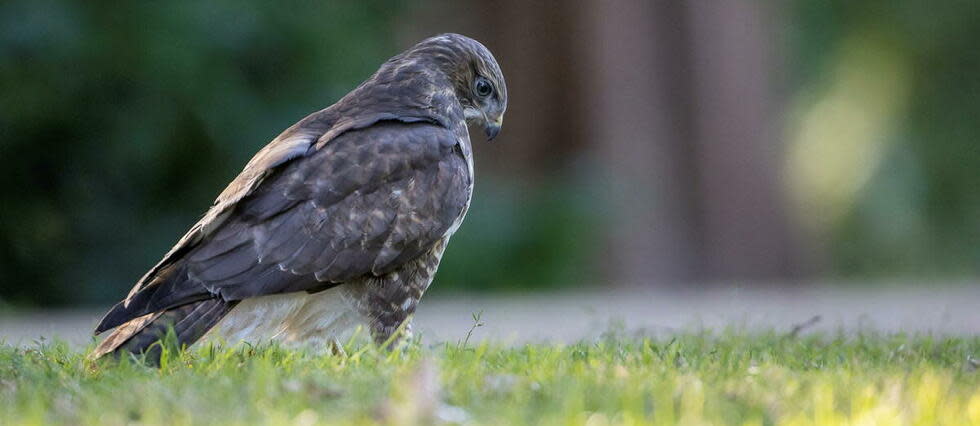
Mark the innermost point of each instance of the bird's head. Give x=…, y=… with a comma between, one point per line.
x=476, y=77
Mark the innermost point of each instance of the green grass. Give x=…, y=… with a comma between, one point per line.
x=692, y=378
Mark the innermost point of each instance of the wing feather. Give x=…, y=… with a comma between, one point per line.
x=371, y=199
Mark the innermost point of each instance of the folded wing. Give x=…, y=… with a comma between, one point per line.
x=366, y=202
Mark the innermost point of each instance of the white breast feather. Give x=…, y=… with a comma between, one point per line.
x=292, y=319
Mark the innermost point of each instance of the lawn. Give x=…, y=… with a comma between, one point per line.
x=691, y=378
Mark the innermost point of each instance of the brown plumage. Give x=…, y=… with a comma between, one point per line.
x=339, y=222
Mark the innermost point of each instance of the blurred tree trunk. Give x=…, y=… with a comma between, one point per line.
x=672, y=101
x=687, y=127
x=640, y=122
x=738, y=150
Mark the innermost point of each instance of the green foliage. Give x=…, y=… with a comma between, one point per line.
x=695, y=378
x=920, y=213
x=120, y=122
x=523, y=239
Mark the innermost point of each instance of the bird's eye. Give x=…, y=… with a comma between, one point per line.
x=483, y=87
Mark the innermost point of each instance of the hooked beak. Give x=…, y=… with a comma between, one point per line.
x=493, y=128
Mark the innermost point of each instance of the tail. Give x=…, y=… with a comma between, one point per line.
x=189, y=323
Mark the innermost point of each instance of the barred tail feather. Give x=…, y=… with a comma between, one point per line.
x=189, y=323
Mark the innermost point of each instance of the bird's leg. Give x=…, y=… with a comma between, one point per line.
x=389, y=337
x=336, y=348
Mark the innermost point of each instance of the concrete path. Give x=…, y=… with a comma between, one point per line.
x=568, y=317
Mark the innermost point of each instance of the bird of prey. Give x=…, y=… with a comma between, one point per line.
x=337, y=224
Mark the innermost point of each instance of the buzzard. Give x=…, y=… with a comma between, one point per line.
x=339, y=223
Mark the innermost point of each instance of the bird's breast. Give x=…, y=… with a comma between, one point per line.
x=293, y=319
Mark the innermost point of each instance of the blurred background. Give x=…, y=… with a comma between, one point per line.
x=671, y=145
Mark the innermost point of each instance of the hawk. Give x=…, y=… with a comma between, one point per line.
x=339, y=223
